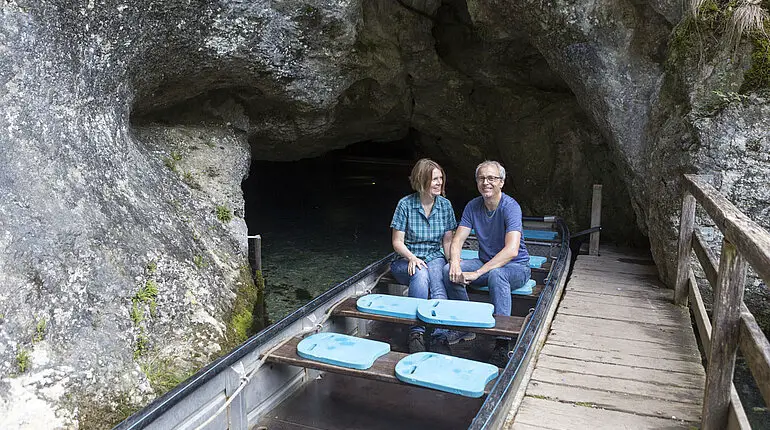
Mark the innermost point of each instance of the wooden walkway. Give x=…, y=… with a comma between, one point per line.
x=619, y=355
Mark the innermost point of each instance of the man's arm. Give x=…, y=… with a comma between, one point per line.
x=508, y=253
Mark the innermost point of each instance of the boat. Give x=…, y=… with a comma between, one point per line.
x=264, y=383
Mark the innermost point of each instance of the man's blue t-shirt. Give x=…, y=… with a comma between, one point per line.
x=491, y=227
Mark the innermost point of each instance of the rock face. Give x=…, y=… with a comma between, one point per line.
x=128, y=129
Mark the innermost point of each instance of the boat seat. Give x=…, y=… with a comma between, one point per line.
x=535, y=261
x=446, y=373
x=539, y=235
x=382, y=370
x=504, y=325
x=458, y=313
x=526, y=290
x=342, y=350
x=386, y=304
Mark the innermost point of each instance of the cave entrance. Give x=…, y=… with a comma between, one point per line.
x=323, y=219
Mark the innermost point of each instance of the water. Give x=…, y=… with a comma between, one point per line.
x=321, y=221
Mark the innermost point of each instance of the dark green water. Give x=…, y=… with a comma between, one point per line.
x=321, y=221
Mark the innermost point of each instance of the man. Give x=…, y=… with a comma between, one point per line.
x=503, y=262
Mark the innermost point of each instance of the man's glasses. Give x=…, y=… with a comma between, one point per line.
x=490, y=179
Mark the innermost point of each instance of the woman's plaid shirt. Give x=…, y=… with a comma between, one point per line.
x=423, y=234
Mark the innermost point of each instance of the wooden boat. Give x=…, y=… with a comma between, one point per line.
x=265, y=384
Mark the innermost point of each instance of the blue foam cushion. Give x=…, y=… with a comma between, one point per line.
x=342, y=350
x=524, y=290
x=535, y=261
x=540, y=235
x=446, y=373
x=457, y=313
x=394, y=306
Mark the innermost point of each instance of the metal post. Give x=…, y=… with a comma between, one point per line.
x=255, y=253
x=596, y=219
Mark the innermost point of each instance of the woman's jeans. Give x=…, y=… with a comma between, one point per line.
x=425, y=283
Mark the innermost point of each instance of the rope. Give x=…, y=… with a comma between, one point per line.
x=247, y=378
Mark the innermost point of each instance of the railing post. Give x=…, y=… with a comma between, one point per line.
x=596, y=219
x=255, y=253
x=728, y=296
x=686, y=225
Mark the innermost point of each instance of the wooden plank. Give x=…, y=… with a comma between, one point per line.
x=622, y=372
x=728, y=297
x=708, y=261
x=686, y=223
x=622, y=359
x=670, y=317
x=665, y=335
x=557, y=415
x=626, y=346
x=737, y=419
x=599, y=299
x=596, y=219
x=700, y=315
x=624, y=290
x=748, y=236
x=615, y=268
x=610, y=277
x=504, y=326
x=620, y=386
x=623, y=402
x=756, y=351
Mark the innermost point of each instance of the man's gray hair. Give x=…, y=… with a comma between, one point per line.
x=499, y=166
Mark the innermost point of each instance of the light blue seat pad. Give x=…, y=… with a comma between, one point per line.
x=446, y=373
x=523, y=291
x=342, y=350
x=535, y=261
x=540, y=235
x=394, y=306
x=457, y=313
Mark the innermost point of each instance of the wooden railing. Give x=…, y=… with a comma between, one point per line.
x=745, y=242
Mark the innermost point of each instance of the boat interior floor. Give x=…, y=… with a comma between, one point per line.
x=340, y=402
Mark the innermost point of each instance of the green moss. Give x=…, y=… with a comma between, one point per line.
x=585, y=404
x=136, y=312
x=224, y=214
x=152, y=267
x=199, y=261
x=758, y=75
x=249, y=298
x=163, y=374
x=22, y=360
x=142, y=344
x=39, y=331
x=104, y=414
x=189, y=179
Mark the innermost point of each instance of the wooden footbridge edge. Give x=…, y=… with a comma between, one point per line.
x=527, y=367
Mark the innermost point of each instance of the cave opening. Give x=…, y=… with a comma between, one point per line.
x=324, y=218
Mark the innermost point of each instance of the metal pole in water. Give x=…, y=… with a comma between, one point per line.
x=255, y=253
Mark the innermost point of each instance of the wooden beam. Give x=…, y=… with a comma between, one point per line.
x=708, y=261
x=728, y=297
x=686, y=223
x=747, y=235
x=756, y=350
x=596, y=219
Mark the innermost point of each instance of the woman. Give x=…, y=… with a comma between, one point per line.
x=423, y=221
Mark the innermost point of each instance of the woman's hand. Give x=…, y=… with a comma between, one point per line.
x=456, y=273
x=414, y=265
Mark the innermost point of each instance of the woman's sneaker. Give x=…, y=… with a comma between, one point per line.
x=454, y=336
x=416, y=342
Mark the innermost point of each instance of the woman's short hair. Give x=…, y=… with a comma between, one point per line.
x=422, y=175
x=499, y=166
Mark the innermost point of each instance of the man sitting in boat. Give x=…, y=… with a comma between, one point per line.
x=422, y=222
x=503, y=262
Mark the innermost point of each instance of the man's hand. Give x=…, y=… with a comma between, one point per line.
x=415, y=264
x=470, y=277
x=456, y=273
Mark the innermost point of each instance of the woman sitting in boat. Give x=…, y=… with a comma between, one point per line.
x=422, y=223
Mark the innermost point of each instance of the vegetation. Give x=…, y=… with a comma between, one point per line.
x=248, y=315
x=152, y=267
x=22, y=360
x=162, y=374
x=199, y=261
x=39, y=331
x=224, y=214
x=189, y=179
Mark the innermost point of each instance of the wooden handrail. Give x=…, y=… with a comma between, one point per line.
x=745, y=243
x=749, y=237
